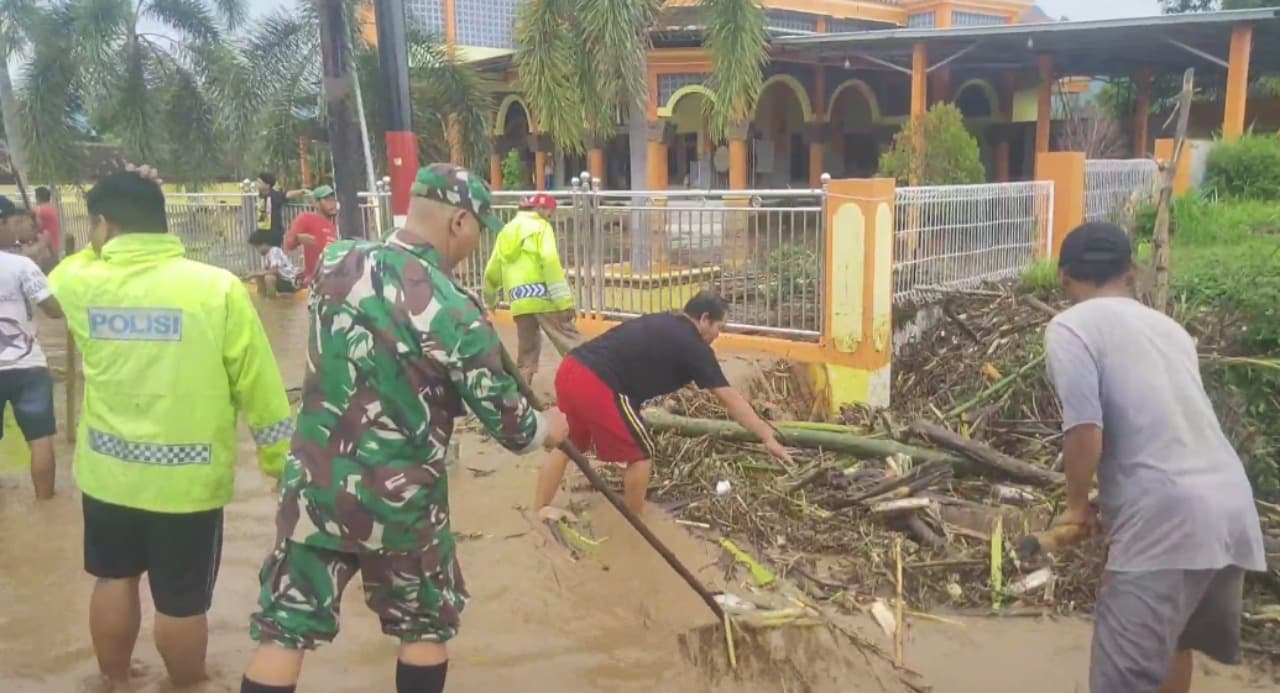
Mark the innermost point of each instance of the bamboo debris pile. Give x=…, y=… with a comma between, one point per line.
x=964, y=465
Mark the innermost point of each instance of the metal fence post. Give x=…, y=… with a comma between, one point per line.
x=248, y=218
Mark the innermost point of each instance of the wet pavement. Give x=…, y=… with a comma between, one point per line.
x=537, y=620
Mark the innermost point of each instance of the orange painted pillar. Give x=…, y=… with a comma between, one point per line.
x=539, y=172
x=919, y=80
x=456, y=155
x=1000, y=156
x=940, y=90
x=495, y=170
x=1044, y=105
x=817, y=134
x=1142, y=114
x=857, y=325
x=737, y=164
x=304, y=162
x=656, y=159
x=1237, y=82
x=1066, y=171
x=1181, y=177
x=595, y=163
x=817, y=129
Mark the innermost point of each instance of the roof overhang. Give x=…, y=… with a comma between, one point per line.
x=1166, y=43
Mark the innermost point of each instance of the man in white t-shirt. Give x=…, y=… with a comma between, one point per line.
x=24, y=373
x=278, y=275
x=1174, y=498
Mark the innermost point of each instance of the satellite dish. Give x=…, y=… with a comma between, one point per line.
x=721, y=159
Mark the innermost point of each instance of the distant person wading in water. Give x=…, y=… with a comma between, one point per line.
x=25, y=383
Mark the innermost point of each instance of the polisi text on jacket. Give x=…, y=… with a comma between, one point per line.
x=136, y=324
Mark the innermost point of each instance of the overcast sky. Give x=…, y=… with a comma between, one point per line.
x=1075, y=9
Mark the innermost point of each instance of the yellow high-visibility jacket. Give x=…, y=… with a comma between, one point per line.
x=525, y=266
x=172, y=349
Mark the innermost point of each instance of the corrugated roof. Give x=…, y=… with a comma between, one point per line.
x=1102, y=47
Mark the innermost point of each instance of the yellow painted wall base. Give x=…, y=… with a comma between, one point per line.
x=837, y=386
x=655, y=292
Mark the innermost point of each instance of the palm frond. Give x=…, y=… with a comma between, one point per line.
x=547, y=64
x=49, y=80
x=232, y=13
x=613, y=50
x=15, y=17
x=441, y=84
x=738, y=42
x=191, y=19
x=191, y=149
x=100, y=27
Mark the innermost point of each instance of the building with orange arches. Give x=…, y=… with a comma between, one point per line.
x=844, y=76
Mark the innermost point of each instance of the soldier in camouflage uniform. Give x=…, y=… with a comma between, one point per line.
x=397, y=348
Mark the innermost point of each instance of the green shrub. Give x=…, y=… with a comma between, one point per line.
x=1248, y=168
x=1228, y=294
x=1201, y=218
x=950, y=154
x=1039, y=278
x=514, y=174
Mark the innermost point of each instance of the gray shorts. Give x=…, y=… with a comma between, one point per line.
x=1143, y=618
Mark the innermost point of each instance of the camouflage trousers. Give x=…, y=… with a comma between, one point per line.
x=417, y=599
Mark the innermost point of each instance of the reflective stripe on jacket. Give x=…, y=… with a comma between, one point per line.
x=525, y=266
x=172, y=350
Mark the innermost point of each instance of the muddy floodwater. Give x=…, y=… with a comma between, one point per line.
x=537, y=620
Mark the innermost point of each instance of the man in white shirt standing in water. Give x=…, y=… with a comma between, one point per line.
x=25, y=383
x=1173, y=495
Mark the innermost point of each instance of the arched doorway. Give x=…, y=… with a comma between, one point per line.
x=979, y=103
x=691, y=159
x=514, y=133
x=779, y=156
x=853, y=151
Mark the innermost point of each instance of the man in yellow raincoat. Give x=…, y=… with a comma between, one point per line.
x=173, y=351
x=525, y=267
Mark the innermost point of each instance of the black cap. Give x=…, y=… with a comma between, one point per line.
x=1096, y=251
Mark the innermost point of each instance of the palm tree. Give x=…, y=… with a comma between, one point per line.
x=581, y=62
x=270, y=119
x=15, y=17
x=140, y=69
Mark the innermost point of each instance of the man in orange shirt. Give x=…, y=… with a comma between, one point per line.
x=47, y=216
x=313, y=231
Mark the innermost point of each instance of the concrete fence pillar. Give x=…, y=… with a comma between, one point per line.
x=1181, y=177
x=1066, y=171
x=857, y=324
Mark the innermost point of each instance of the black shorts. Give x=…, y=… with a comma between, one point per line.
x=285, y=285
x=180, y=553
x=30, y=391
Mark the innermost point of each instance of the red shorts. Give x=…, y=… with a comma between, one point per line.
x=599, y=417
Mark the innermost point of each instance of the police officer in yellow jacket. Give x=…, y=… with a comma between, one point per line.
x=525, y=267
x=173, y=350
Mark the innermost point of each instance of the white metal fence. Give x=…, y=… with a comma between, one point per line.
x=1115, y=189
x=962, y=236
x=628, y=253
x=215, y=227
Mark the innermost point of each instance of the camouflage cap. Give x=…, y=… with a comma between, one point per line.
x=455, y=186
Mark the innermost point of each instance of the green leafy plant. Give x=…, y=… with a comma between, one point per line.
x=1039, y=278
x=948, y=154
x=793, y=274
x=1248, y=168
x=514, y=174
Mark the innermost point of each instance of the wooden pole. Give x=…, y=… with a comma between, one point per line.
x=899, y=654
x=615, y=500
x=1160, y=236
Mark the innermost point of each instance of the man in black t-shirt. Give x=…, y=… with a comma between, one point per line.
x=271, y=211
x=601, y=384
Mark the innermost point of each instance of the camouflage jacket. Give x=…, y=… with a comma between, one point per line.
x=395, y=350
